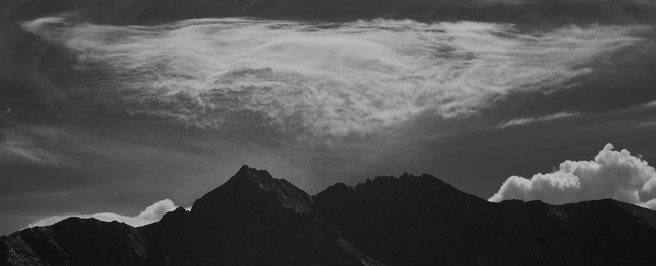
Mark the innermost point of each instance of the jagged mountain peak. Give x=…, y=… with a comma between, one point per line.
x=255, y=219
x=405, y=189
x=253, y=174
x=253, y=186
x=406, y=178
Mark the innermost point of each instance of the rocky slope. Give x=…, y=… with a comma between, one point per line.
x=255, y=219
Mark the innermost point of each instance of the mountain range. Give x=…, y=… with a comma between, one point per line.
x=255, y=219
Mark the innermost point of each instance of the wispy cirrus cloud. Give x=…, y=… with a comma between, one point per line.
x=531, y=120
x=647, y=124
x=323, y=79
x=28, y=144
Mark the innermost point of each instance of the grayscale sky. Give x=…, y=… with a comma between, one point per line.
x=107, y=112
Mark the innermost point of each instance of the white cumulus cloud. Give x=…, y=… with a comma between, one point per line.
x=151, y=214
x=612, y=174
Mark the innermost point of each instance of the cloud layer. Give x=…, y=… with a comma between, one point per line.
x=27, y=144
x=530, y=120
x=613, y=174
x=321, y=79
x=151, y=214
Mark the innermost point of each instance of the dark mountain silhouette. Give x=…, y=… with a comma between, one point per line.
x=255, y=219
x=423, y=221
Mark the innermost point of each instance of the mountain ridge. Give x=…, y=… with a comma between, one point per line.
x=254, y=218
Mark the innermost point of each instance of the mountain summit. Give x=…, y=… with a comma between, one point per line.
x=255, y=219
x=256, y=187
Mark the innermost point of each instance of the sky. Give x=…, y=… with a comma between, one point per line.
x=123, y=118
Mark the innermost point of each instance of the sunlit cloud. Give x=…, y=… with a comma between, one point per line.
x=612, y=174
x=151, y=214
x=323, y=79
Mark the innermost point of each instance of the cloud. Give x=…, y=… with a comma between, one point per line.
x=613, y=174
x=530, y=120
x=647, y=124
x=322, y=79
x=649, y=204
x=151, y=214
x=30, y=144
